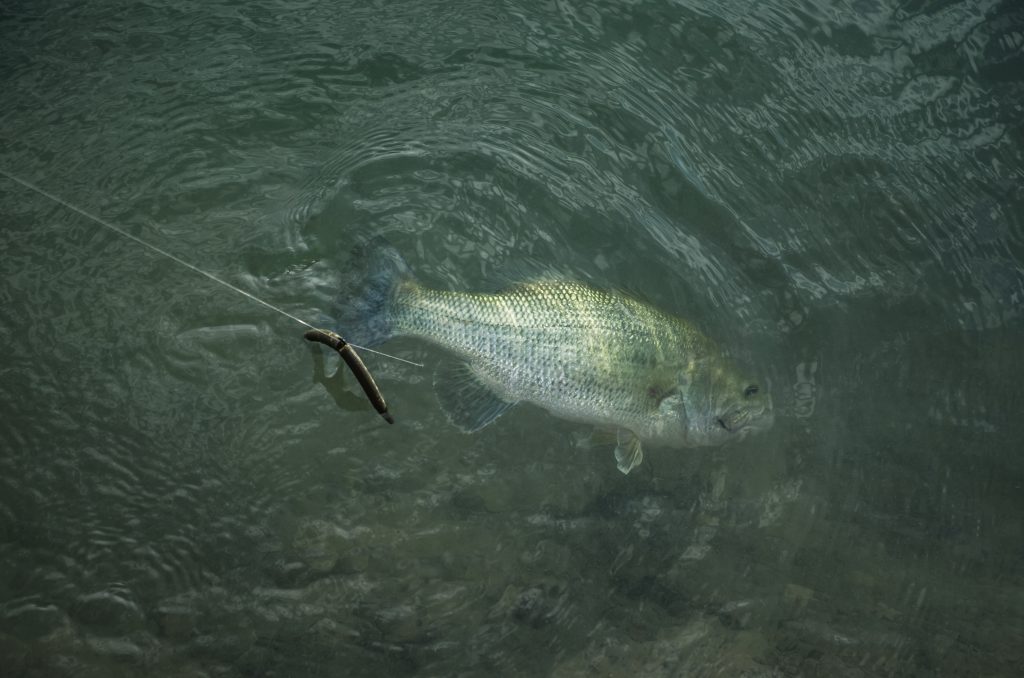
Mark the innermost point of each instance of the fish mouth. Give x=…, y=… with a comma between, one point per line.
x=744, y=421
x=736, y=429
x=733, y=421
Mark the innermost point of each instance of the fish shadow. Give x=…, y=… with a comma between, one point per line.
x=335, y=384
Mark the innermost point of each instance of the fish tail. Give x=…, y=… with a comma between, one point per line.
x=366, y=304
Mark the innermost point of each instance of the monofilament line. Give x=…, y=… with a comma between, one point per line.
x=154, y=248
x=386, y=355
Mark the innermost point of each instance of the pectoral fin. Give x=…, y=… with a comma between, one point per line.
x=469, y=403
x=628, y=453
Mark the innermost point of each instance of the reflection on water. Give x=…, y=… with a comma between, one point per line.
x=832, y=192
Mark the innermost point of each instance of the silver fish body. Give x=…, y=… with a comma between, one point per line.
x=582, y=354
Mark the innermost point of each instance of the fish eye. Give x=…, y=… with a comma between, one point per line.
x=721, y=422
x=750, y=390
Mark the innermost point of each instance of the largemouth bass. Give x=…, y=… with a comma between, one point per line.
x=581, y=353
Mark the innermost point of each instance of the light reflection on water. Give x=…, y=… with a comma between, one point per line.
x=832, y=192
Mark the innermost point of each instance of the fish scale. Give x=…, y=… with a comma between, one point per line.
x=577, y=351
x=581, y=353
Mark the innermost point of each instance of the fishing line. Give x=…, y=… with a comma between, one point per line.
x=154, y=248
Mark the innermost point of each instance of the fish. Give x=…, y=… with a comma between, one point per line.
x=583, y=354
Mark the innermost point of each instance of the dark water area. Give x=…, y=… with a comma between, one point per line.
x=832, y=191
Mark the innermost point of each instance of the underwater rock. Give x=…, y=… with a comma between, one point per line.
x=797, y=595
x=698, y=647
x=400, y=624
x=738, y=614
x=119, y=648
x=176, y=622
x=321, y=548
x=542, y=486
x=33, y=621
x=535, y=606
x=108, y=611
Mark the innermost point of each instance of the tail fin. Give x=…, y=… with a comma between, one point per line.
x=365, y=305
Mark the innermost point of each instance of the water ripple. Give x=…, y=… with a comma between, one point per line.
x=832, y=190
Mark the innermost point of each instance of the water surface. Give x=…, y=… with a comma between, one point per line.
x=831, y=190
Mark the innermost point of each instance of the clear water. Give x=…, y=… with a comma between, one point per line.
x=833, y=190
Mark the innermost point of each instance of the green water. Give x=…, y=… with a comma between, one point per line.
x=833, y=191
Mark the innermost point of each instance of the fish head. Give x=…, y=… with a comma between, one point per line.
x=716, y=403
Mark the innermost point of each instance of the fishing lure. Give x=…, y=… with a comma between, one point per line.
x=355, y=363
